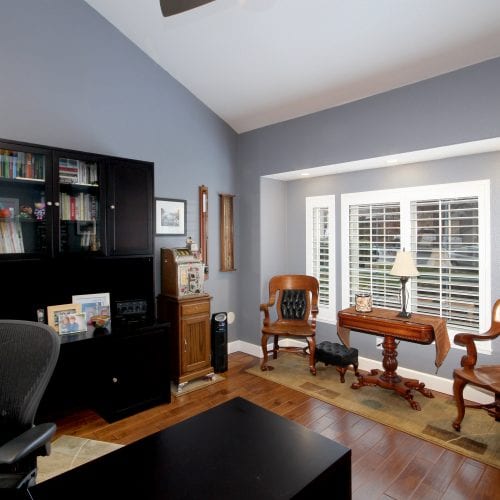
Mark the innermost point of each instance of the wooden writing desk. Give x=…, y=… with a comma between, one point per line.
x=419, y=328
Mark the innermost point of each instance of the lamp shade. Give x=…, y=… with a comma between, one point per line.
x=404, y=265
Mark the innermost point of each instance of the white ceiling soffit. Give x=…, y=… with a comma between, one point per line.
x=469, y=148
x=259, y=62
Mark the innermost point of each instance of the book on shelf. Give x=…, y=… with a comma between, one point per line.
x=21, y=165
x=11, y=238
x=77, y=172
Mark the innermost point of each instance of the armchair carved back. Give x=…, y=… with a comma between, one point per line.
x=296, y=297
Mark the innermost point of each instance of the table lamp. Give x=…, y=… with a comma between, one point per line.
x=404, y=267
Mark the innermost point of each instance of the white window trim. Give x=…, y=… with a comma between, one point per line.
x=480, y=188
x=326, y=315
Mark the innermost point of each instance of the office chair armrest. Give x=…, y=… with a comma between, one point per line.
x=26, y=443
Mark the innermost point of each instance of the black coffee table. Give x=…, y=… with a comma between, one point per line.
x=236, y=450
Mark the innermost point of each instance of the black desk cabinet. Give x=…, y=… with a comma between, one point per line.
x=134, y=374
x=118, y=374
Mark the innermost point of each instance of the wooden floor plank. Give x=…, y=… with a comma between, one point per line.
x=410, y=478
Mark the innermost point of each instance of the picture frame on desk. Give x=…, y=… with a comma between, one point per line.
x=170, y=217
x=57, y=312
x=93, y=304
x=72, y=323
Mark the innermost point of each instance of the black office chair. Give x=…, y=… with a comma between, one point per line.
x=28, y=356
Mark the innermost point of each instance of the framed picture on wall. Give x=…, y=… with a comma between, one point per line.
x=170, y=216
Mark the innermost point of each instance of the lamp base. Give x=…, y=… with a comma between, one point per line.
x=404, y=314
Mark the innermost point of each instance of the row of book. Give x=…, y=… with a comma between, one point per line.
x=82, y=207
x=77, y=172
x=21, y=165
x=11, y=237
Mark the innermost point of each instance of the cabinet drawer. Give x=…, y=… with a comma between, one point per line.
x=197, y=308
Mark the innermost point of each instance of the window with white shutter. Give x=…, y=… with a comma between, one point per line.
x=445, y=227
x=320, y=255
x=374, y=238
x=445, y=235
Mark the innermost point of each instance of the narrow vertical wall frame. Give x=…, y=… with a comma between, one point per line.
x=203, y=206
x=226, y=221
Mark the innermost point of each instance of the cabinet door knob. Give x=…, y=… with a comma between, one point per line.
x=111, y=207
x=49, y=203
x=115, y=380
x=56, y=203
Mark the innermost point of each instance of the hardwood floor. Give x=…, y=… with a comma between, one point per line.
x=386, y=464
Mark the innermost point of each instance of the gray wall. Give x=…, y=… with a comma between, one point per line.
x=467, y=168
x=457, y=107
x=70, y=79
x=273, y=235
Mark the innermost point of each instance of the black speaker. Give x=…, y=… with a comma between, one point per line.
x=219, y=342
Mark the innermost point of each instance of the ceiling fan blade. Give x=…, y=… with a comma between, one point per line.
x=172, y=7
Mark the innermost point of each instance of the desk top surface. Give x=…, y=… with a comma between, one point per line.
x=234, y=450
x=419, y=328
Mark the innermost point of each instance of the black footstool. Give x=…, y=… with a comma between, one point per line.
x=337, y=355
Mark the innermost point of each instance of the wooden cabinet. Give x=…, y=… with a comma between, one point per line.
x=57, y=202
x=72, y=223
x=190, y=346
x=26, y=200
x=130, y=207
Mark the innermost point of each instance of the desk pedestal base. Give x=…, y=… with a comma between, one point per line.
x=389, y=379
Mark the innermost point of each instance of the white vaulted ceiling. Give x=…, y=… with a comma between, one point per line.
x=259, y=62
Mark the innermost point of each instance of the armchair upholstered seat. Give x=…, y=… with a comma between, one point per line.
x=293, y=302
x=485, y=377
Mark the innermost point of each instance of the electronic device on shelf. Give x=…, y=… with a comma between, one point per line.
x=130, y=313
x=181, y=272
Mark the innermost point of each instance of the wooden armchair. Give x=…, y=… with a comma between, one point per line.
x=486, y=376
x=295, y=297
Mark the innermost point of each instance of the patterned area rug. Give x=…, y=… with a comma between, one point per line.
x=69, y=452
x=478, y=439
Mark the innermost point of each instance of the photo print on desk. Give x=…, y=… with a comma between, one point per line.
x=93, y=304
x=55, y=313
x=72, y=323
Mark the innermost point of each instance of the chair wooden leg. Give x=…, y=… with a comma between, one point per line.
x=263, y=342
x=497, y=406
x=311, y=342
x=342, y=370
x=276, y=347
x=458, y=394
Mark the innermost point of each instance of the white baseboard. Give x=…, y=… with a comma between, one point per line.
x=246, y=347
x=432, y=382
